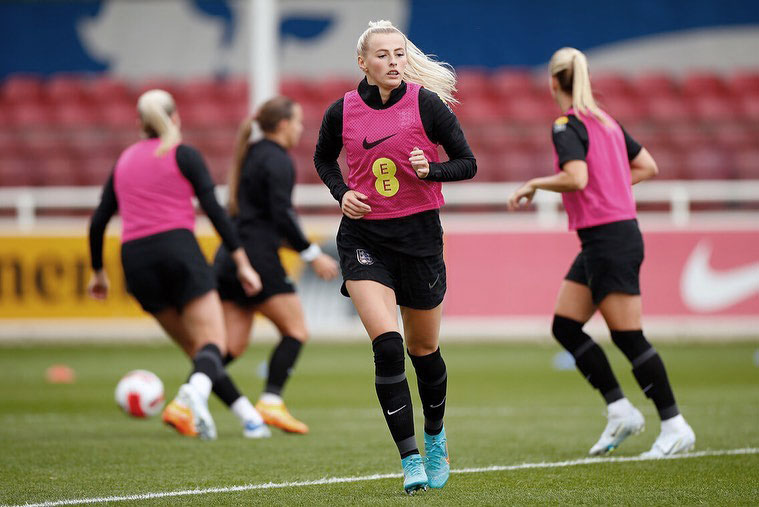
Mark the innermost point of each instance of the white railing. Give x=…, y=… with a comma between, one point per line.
x=678, y=195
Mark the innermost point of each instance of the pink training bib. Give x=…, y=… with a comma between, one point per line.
x=152, y=193
x=608, y=195
x=378, y=144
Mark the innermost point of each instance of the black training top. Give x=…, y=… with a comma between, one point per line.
x=419, y=234
x=192, y=166
x=572, y=142
x=264, y=195
x=440, y=124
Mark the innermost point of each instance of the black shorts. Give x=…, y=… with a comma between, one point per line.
x=265, y=260
x=419, y=282
x=610, y=259
x=166, y=270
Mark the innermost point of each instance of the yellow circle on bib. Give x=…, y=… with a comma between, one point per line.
x=387, y=184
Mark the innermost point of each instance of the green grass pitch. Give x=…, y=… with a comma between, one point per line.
x=507, y=405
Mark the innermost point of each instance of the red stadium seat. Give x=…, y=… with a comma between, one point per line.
x=119, y=115
x=490, y=166
x=749, y=108
x=66, y=89
x=472, y=84
x=743, y=82
x=669, y=110
x=478, y=110
x=533, y=110
x=707, y=163
x=626, y=110
x=329, y=90
x=108, y=91
x=94, y=169
x=513, y=83
x=669, y=161
x=23, y=89
x=298, y=90
x=46, y=145
x=746, y=163
x=10, y=143
x=59, y=171
x=736, y=137
x=74, y=114
x=17, y=171
x=700, y=83
x=713, y=108
x=30, y=115
x=654, y=84
x=610, y=84
x=201, y=115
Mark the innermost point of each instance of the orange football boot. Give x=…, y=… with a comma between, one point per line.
x=179, y=415
x=276, y=414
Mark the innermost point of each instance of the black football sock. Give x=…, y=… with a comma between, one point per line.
x=393, y=391
x=648, y=370
x=282, y=359
x=432, y=381
x=208, y=361
x=589, y=357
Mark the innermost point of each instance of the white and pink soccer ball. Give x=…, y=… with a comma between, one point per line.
x=140, y=393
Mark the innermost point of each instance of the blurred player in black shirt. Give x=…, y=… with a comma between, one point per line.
x=260, y=201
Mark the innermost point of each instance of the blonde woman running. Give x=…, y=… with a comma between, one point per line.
x=152, y=186
x=597, y=162
x=390, y=239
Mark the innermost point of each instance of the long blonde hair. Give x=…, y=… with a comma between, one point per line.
x=570, y=67
x=422, y=69
x=268, y=117
x=155, y=108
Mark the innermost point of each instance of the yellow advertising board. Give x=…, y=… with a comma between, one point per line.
x=46, y=276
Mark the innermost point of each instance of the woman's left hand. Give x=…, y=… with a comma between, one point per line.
x=419, y=163
x=526, y=192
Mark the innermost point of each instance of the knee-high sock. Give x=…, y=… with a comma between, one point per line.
x=589, y=358
x=393, y=392
x=281, y=364
x=432, y=381
x=209, y=361
x=648, y=370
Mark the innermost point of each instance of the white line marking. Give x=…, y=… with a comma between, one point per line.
x=375, y=477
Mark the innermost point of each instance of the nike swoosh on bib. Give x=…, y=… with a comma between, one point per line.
x=368, y=145
x=704, y=289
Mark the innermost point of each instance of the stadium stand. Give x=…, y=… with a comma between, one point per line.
x=69, y=129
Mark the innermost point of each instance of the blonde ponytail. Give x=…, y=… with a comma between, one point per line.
x=155, y=108
x=422, y=69
x=241, y=148
x=570, y=67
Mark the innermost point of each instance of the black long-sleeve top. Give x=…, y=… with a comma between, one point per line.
x=264, y=195
x=440, y=124
x=192, y=167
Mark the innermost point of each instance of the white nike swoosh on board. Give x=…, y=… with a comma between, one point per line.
x=396, y=411
x=704, y=289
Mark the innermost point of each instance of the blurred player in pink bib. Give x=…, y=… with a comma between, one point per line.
x=597, y=162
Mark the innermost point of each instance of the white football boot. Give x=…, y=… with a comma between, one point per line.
x=624, y=420
x=676, y=437
x=204, y=424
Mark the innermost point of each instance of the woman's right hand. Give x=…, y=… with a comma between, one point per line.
x=353, y=205
x=249, y=279
x=99, y=284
